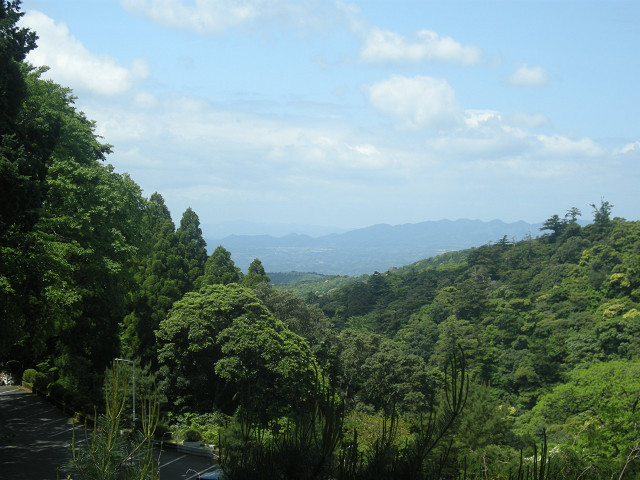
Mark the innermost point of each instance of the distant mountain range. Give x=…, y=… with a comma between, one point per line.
x=241, y=227
x=365, y=250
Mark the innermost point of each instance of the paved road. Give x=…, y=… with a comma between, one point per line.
x=35, y=440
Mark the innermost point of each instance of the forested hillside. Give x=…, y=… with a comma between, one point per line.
x=551, y=325
x=511, y=360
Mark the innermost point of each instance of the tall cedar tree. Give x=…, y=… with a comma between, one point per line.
x=220, y=269
x=192, y=247
x=161, y=280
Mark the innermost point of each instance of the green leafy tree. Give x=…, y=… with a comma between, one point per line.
x=65, y=288
x=375, y=371
x=595, y=409
x=305, y=320
x=24, y=152
x=23, y=155
x=221, y=347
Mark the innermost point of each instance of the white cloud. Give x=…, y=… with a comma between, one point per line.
x=478, y=118
x=73, y=65
x=217, y=16
x=416, y=102
x=204, y=16
x=526, y=76
x=239, y=142
x=630, y=149
x=426, y=45
x=528, y=120
x=559, y=145
x=488, y=137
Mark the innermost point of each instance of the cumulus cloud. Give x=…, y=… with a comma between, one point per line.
x=416, y=102
x=72, y=64
x=526, y=76
x=426, y=45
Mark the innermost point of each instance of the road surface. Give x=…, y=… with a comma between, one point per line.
x=35, y=441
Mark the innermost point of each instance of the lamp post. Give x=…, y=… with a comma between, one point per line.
x=133, y=368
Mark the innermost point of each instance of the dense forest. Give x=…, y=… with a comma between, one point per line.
x=511, y=360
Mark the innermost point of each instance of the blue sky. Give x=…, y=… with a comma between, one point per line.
x=352, y=113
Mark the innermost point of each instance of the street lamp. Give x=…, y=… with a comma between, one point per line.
x=133, y=368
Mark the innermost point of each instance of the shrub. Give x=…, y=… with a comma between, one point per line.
x=192, y=435
x=29, y=376
x=56, y=391
x=208, y=424
x=41, y=381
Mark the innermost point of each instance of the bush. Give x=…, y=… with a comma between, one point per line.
x=29, y=376
x=56, y=391
x=41, y=381
x=208, y=424
x=192, y=435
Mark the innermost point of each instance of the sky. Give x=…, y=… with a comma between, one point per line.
x=353, y=113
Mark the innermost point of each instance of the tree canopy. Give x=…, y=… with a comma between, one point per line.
x=221, y=343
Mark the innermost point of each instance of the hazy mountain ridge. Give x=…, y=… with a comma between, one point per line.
x=365, y=250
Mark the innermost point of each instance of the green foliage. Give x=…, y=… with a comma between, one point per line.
x=192, y=247
x=305, y=320
x=373, y=370
x=163, y=276
x=255, y=275
x=315, y=445
x=529, y=315
x=29, y=375
x=222, y=347
x=220, y=269
x=595, y=409
x=191, y=435
x=281, y=278
x=207, y=424
x=68, y=279
x=601, y=214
